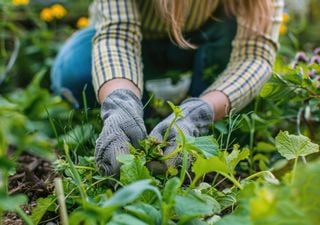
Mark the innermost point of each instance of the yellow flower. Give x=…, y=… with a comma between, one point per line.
x=82, y=22
x=285, y=18
x=20, y=2
x=283, y=29
x=58, y=11
x=46, y=14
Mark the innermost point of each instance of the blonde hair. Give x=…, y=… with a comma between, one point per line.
x=257, y=15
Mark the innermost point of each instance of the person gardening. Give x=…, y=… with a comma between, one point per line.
x=135, y=39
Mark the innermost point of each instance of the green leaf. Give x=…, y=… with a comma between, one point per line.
x=43, y=205
x=268, y=89
x=265, y=147
x=292, y=146
x=202, y=166
x=125, y=219
x=206, y=145
x=234, y=220
x=191, y=206
x=170, y=189
x=130, y=193
x=85, y=217
x=6, y=163
x=221, y=127
x=145, y=212
x=78, y=135
x=11, y=203
x=293, y=77
x=7, y=106
x=235, y=157
x=133, y=169
x=291, y=204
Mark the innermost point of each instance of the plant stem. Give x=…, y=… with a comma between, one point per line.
x=298, y=124
x=257, y=174
x=298, y=121
x=233, y=180
x=85, y=168
x=184, y=165
x=166, y=134
x=4, y=181
x=75, y=174
x=61, y=201
x=24, y=216
x=294, y=169
x=85, y=103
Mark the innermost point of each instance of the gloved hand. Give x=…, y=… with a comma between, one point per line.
x=122, y=115
x=197, y=116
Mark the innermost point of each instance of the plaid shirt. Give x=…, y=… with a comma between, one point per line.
x=121, y=24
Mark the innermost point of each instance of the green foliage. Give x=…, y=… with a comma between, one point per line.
x=132, y=169
x=11, y=203
x=43, y=204
x=205, y=145
x=288, y=204
x=293, y=146
x=223, y=164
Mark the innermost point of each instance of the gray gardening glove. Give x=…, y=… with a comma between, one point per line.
x=122, y=115
x=197, y=116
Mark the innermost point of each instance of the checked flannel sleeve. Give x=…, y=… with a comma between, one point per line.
x=251, y=61
x=117, y=43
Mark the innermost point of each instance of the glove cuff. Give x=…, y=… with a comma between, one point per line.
x=198, y=103
x=123, y=99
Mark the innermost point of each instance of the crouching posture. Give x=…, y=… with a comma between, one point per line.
x=134, y=40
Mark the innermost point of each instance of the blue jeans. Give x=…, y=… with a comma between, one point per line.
x=71, y=71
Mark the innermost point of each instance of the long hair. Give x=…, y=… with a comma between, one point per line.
x=257, y=15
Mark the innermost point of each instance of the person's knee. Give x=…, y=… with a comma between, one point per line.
x=72, y=67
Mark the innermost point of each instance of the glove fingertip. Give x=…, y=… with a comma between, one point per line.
x=157, y=136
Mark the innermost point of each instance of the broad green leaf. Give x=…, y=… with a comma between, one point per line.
x=192, y=206
x=145, y=212
x=6, y=163
x=221, y=127
x=85, y=217
x=305, y=191
x=291, y=204
x=6, y=105
x=170, y=189
x=292, y=146
x=11, y=203
x=293, y=77
x=267, y=89
x=224, y=163
x=265, y=147
x=202, y=166
x=206, y=145
x=169, y=193
x=42, y=206
x=78, y=135
x=133, y=169
x=125, y=219
x=196, y=221
x=234, y=220
x=130, y=193
x=235, y=157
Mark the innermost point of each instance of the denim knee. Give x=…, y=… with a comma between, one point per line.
x=71, y=71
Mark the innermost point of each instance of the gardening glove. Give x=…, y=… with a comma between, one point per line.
x=122, y=115
x=197, y=116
